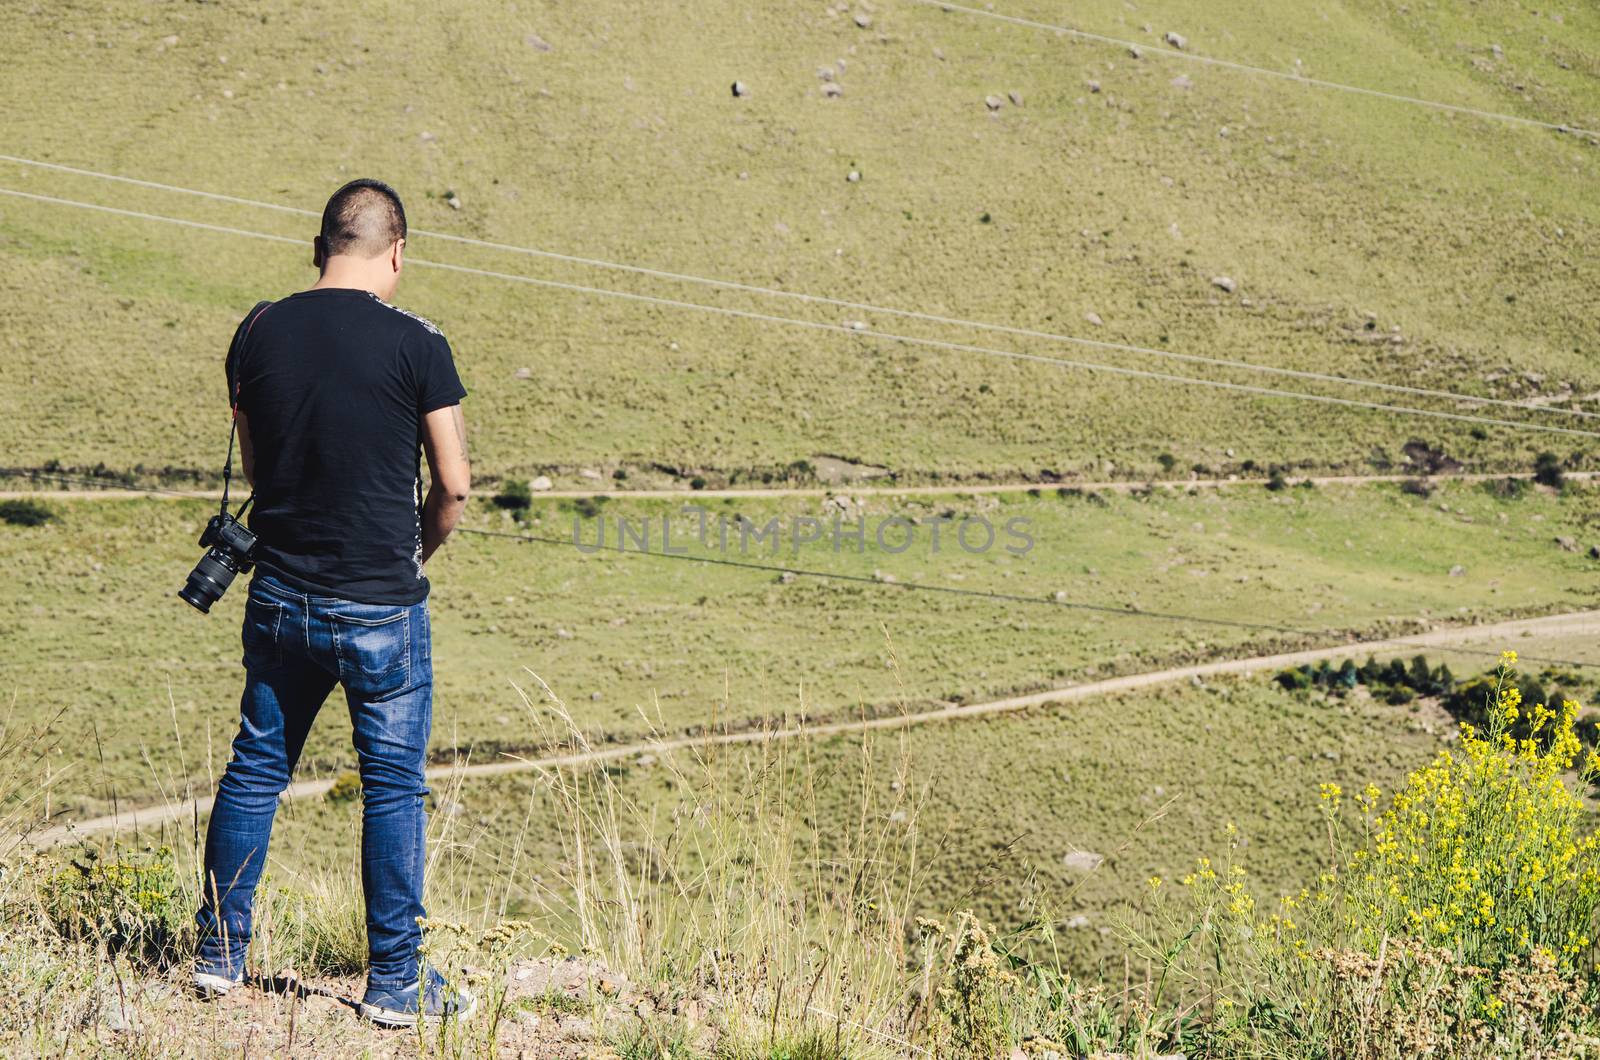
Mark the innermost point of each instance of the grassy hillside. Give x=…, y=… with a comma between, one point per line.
x=638, y=642
x=1365, y=237
x=995, y=809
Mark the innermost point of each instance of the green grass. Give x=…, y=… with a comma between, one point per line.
x=146, y=689
x=623, y=142
x=993, y=807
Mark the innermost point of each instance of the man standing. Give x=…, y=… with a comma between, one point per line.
x=335, y=391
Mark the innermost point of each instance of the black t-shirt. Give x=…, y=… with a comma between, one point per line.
x=334, y=384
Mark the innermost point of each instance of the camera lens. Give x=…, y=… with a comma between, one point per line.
x=208, y=581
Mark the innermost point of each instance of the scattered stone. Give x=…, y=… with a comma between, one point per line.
x=589, y=473
x=1083, y=861
x=787, y=577
x=536, y=42
x=1177, y=40
x=1458, y=571
x=854, y=176
x=1133, y=51
x=832, y=89
x=1094, y=318
x=1499, y=52
x=541, y=483
x=1078, y=921
x=523, y=373
x=426, y=137
x=1225, y=283
x=1015, y=98
x=1567, y=544
x=453, y=200
x=170, y=40
x=1094, y=87
x=116, y=1014
x=1182, y=81
x=1060, y=596
x=856, y=325
x=863, y=20
x=993, y=102
x=741, y=89
x=825, y=73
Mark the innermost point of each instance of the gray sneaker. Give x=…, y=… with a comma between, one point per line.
x=210, y=985
x=389, y=1006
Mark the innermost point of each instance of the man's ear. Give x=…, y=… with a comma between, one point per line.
x=397, y=255
x=318, y=258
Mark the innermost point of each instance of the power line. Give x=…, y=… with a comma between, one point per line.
x=949, y=590
x=1010, y=598
x=1315, y=82
x=842, y=303
x=911, y=340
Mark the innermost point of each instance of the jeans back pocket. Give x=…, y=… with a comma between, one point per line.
x=374, y=651
x=263, y=622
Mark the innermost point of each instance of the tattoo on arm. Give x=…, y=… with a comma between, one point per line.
x=461, y=429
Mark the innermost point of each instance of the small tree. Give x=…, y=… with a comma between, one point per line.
x=25, y=513
x=515, y=496
x=1547, y=470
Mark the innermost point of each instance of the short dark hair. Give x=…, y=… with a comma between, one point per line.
x=363, y=218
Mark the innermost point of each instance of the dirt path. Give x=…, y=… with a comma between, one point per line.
x=1497, y=634
x=860, y=489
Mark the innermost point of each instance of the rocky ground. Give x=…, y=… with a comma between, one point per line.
x=552, y=1007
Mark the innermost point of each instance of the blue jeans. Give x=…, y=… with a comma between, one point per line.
x=296, y=648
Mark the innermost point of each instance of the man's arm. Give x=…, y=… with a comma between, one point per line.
x=444, y=442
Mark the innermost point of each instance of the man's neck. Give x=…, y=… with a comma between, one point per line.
x=351, y=277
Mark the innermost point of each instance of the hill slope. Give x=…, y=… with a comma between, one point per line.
x=609, y=131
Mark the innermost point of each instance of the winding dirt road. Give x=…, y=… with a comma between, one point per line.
x=1495, y=635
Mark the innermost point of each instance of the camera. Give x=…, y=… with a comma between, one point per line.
x=229, y=547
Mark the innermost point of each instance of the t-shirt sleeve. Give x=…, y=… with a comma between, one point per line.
x=231, y=361
x=236, y=346
x=438, y=385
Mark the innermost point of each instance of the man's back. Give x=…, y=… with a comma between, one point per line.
x=334, y=384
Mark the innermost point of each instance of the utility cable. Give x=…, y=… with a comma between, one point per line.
x=1314, y=82
x=744, y=314
x=842, y=303
x=1010, y=598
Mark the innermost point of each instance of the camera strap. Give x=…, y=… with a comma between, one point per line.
x=235, y=352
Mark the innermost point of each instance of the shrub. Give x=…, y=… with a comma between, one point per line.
x=1547, y=470
x=25, y=513
x=1398, y=695
x=346, y=787
x=1456, y=920
x=130, y=905
x=515, y=495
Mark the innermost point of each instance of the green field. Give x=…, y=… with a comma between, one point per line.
x=994, y=808
x=143, y=692
x=1097, y=195
x=622, y=141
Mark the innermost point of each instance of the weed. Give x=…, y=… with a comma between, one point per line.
x=25, y=513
